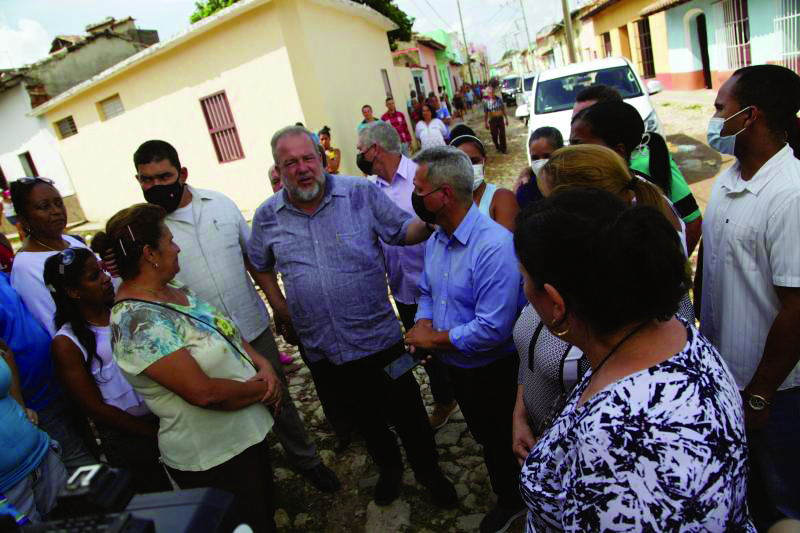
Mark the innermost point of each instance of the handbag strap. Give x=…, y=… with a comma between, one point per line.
x=184, y=313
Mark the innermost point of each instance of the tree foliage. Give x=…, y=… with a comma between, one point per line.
x=387, y=8
x=207, y=8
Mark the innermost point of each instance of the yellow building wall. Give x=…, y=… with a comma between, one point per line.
x=337, y=59
x=625, y=14
x=245, y=56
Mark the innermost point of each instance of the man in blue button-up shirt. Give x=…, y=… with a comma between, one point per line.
x=323, y=234
x=470, y=296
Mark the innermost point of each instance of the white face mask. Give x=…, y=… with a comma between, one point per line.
x=477, y=172
x=723, y=144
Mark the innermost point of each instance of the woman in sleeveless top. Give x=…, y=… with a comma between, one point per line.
x=495, y=202
x=81, y=350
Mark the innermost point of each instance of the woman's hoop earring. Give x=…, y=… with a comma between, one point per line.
x=155, y=265
x=559, y=333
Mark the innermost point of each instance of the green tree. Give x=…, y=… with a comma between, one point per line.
x=207, y=8
x=387, y=8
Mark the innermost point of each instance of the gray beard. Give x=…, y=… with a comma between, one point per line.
x=304, y=195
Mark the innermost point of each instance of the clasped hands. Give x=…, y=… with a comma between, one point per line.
x=272, y=396
x=422, y=336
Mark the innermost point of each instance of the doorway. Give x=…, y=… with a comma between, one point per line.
x=702, y=37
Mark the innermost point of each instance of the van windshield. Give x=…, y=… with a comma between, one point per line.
x=528, y=84
x=559, y=94
x=510, y=84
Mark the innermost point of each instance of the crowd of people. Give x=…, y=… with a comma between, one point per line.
x=557, y=317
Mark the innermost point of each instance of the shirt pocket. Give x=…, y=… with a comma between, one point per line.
x=742, y=246
x=349, y=252
x=227, y=234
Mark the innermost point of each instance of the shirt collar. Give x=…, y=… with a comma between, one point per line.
x=732, y=181
x=464, y=230
x=406, y=170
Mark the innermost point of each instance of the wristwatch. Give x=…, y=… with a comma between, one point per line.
x=756, y=402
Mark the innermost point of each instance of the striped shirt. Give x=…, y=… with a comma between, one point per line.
x=751, y=244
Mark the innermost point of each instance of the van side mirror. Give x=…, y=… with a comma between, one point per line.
x=654, y=86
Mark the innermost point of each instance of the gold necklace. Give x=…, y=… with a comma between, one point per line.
x=43, y=245
x=151, y=291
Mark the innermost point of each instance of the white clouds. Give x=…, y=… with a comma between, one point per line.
x=26, y=43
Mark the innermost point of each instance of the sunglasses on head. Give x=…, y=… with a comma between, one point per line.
x=27, y=180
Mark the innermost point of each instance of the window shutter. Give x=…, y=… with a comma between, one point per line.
x=221, y=127
x=111, y=107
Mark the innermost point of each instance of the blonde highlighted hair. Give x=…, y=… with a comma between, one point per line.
x=592, y=165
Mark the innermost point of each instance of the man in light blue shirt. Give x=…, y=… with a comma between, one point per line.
x=470, y=297
x=382, y=149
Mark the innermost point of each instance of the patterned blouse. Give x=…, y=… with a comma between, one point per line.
x=190, y=437
x=659, y=450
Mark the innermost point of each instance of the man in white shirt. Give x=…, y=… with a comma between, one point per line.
x=750, y=274
x=212, y=235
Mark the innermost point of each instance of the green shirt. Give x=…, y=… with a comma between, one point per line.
x=189, y=437
x=680, y=195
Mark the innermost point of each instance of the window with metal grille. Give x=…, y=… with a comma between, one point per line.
x=66, y=127
x=644, y=57
x=606, y=44
x=787, y=29
x=221, y=127
x=111, y=107
x=737, y=33
x=386, y=85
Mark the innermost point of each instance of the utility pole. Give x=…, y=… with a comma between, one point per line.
x=527, y=32
x=466, y=46
x=568, y=30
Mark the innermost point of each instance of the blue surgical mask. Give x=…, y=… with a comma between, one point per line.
x=722, y=144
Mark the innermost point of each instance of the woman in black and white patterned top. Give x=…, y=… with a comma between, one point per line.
x=652, y=437
x=549, y=367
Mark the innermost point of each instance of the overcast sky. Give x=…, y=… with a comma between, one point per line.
x=28, y=26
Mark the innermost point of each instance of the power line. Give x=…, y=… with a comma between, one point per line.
x=447, y=24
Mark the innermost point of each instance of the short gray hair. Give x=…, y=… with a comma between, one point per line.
x=285, y=132
x=448, y=166
x=384, y=135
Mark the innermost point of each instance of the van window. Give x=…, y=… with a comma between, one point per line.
x=511, y=84
x=559, y=94
x=528, y=84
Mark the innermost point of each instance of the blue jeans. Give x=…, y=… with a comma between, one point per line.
x=35, y=495
x=66, y=424
x=774, y=481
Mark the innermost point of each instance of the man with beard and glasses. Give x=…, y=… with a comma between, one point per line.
x=212, y=233
x=323, y=233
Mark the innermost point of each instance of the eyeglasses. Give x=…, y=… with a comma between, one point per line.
x=27, y=180
x=67, y=258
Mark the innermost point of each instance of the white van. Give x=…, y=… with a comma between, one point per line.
x=553, y=93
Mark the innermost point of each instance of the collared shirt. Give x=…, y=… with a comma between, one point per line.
x=472, y=287
x=212, y=259
x=398, y=122
x=403, y=263
x=363, y=124
x=751, y=243
x=332, y=266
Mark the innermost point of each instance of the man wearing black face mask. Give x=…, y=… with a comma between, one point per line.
x=212, y=235
x=470, y=297
x=395, y=177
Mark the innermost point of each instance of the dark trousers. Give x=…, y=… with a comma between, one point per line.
x=497, y=127
x=773, y=484
x=137, y=454
x=248, y=476
x=332, y=405
x=441, y=389
x=372, y=398
x=487, y=395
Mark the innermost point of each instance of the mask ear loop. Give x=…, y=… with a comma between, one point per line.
x=644, y=143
